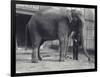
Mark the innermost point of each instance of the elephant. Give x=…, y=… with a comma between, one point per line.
x=52, y=26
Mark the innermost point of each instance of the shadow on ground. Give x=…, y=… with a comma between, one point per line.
x=50, y=61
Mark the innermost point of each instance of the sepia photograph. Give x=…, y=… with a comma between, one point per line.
x=54, y=38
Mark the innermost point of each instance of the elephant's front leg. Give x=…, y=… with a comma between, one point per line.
x=63, y=47
x=35, y=52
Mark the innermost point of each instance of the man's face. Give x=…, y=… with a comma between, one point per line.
x=74, y=17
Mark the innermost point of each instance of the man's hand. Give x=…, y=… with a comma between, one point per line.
x=72, y=33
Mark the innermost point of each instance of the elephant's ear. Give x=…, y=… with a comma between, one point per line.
x=80, y=15
x=82, y=18
x=68, y=14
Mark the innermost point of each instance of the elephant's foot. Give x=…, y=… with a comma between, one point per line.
x=61, y=59
x=34, y=61
x=40, y=58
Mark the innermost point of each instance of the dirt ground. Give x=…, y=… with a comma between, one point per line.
x=50, y=61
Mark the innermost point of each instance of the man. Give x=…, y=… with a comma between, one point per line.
x=76, y=30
